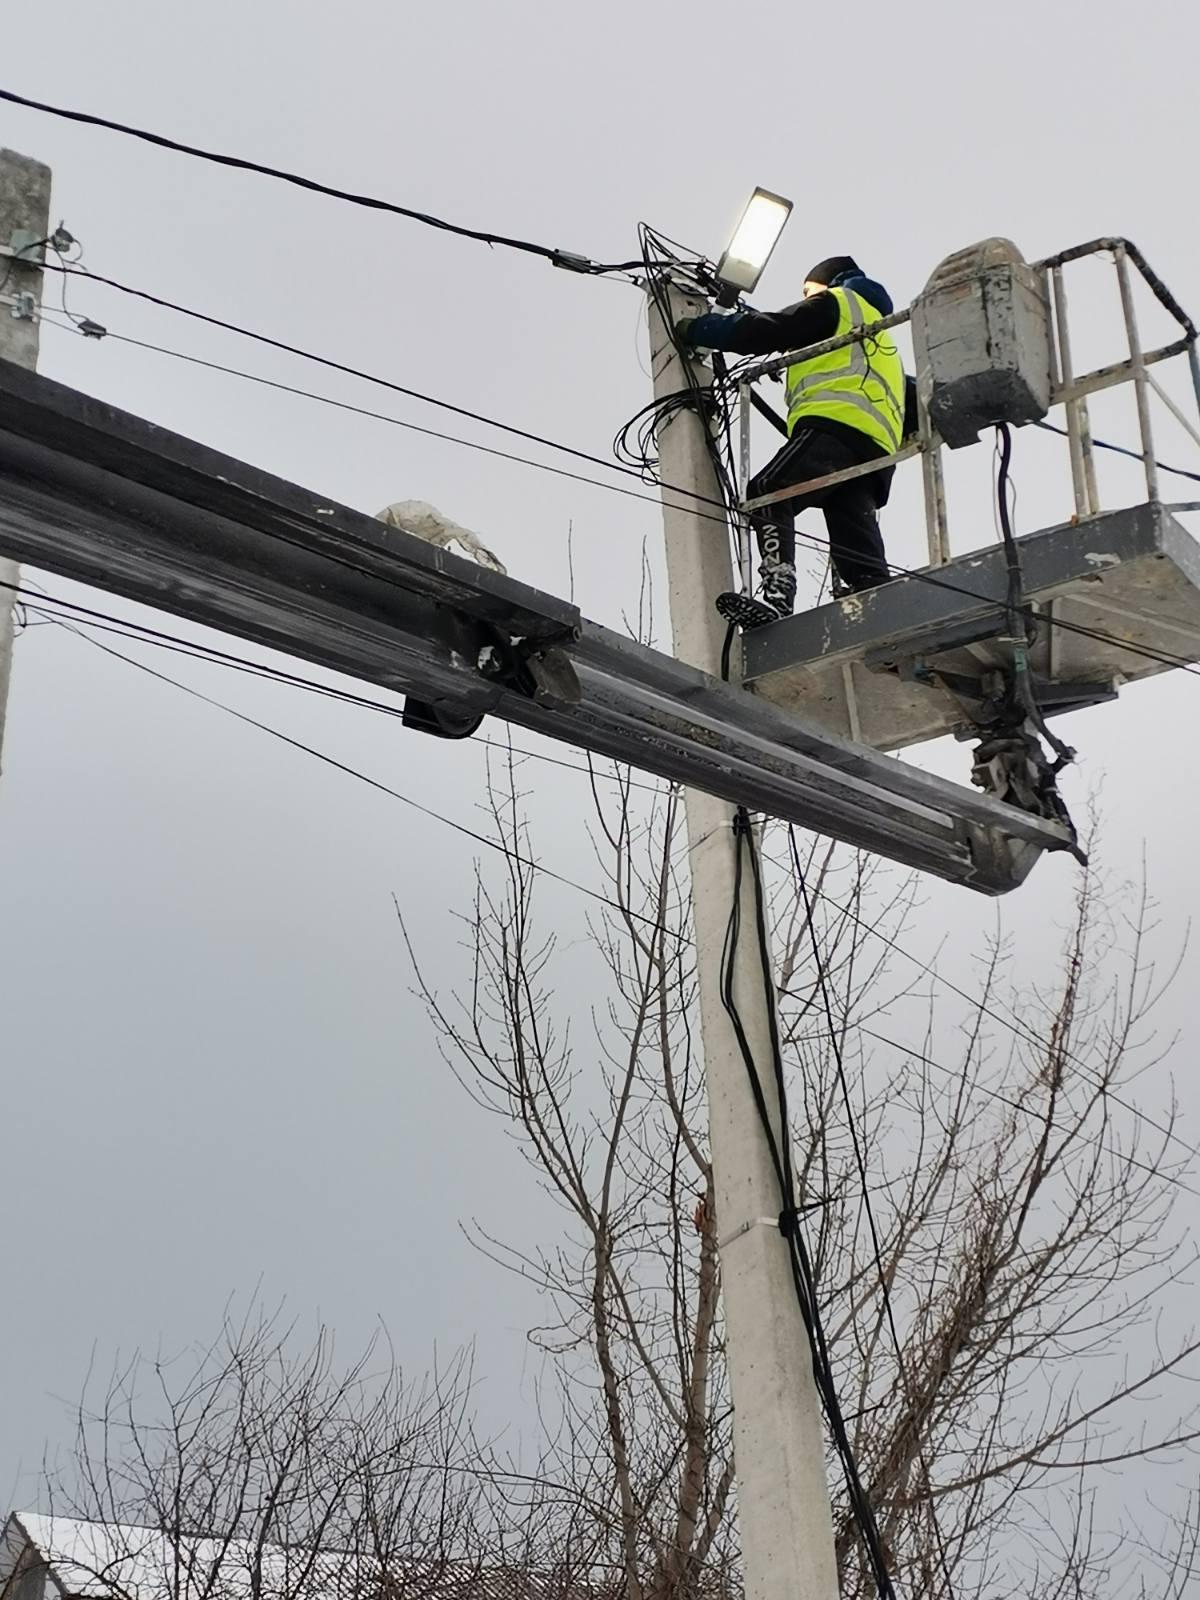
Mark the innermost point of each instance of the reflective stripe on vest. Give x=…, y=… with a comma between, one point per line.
x=860, y=384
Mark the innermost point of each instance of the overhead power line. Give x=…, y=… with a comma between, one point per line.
x=1121, y=450
x=1027, y=1111
x=93, y=332
x=35, y=600
x=94, y=619
x=1014, y=1024
x=74, y=271
x=567, y=259
x=374, y=783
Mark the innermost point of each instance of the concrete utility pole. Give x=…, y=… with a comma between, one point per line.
x=783, y=1498
x=24, y=222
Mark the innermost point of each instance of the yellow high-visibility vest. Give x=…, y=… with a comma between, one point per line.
x=860, y=384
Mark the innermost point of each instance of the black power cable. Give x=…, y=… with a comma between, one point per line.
x=835, y=1044
x=712, y=403
x=1157, y=1173
x=374, y=783
x=1009, y=739
x=1121, y=450
x=160, y=640
x=75, y=271
x=126, y=628
x=1015, y=601
x=93, y=330
x=559, y=258
x=779, y=1148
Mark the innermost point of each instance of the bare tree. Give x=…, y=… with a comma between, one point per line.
x=258, y=1469
x=990, y=1221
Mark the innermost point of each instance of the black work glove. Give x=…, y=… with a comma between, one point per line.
x=707, y=332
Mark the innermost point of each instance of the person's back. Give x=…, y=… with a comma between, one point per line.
x=859, y=385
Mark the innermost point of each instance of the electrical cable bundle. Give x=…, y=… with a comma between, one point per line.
x=803, y=1277
x=569, y=260
x=635, y=442
x=1015, y=602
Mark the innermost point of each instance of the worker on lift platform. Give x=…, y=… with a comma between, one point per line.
x=843, y=408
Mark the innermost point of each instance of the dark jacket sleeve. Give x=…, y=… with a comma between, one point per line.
x=761, y=333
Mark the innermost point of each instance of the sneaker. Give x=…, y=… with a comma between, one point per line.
x=744, y=611
x=777, y=586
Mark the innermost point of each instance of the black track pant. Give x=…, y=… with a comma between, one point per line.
x=851, y=516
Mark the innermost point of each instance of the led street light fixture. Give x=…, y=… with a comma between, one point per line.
x=755, y=236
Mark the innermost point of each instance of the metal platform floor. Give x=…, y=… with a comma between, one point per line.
x=868, y=667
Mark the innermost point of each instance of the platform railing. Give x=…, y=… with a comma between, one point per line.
x=1068, y=389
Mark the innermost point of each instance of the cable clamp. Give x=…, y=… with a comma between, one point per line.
x=570, y=261
x=22, y=246
x=787, y=1221
x=539, y=669
x=754, y=1222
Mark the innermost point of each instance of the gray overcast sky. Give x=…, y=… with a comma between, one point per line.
x=214, y=1072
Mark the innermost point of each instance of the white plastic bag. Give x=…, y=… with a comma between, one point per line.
x=427, y=522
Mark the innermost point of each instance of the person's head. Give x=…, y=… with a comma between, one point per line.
x=829, y=273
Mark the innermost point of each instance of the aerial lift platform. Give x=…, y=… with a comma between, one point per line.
x=1107, y=598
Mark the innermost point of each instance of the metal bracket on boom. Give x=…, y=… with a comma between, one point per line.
x=538, y=669
x=97, y=495
x=1009, y=761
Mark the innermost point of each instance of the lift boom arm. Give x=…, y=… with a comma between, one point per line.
x=95, y=494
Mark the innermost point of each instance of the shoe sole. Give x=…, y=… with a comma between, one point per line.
x=743, y=611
